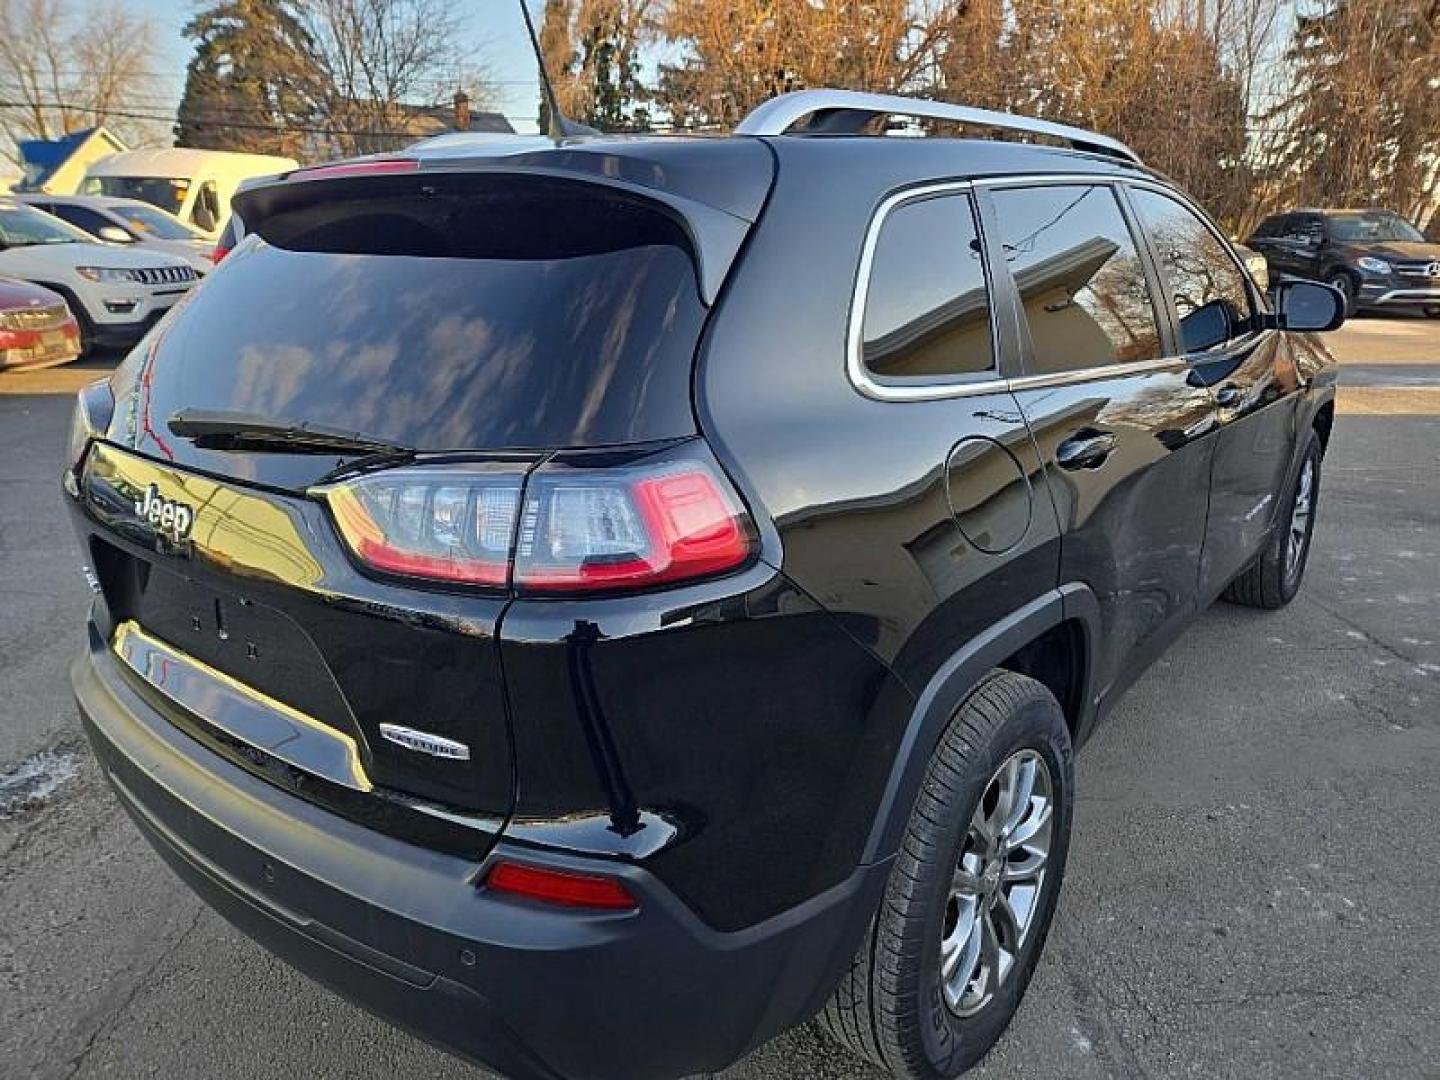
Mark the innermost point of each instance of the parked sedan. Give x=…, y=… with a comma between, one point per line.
x=36, y=327
x=116, y=293
x=128, y=221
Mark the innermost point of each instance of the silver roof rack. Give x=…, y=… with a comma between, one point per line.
x=847, y=111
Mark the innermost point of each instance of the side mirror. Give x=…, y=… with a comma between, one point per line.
x=1207, y=326
x=1308, y=305
x=115, y=235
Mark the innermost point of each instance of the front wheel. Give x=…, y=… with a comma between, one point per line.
x=1346, y=284
x=1274, y=578
x=972, y=891
x=1432, y=311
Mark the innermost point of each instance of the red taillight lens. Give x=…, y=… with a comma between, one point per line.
x=594, y=529
x=561, y=887
x=221, y=250
x=445, y=523
x=583, y=528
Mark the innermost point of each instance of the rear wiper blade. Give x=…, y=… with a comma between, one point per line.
x=218, y=429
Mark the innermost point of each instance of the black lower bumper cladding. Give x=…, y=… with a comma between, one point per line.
x=407, y=933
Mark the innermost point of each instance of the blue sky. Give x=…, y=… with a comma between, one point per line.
x=494, y=28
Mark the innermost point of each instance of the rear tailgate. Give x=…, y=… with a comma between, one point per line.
x=256, y=624
x=475, y=317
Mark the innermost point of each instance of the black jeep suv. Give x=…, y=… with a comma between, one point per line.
x=1376, y=258
x=599, y=603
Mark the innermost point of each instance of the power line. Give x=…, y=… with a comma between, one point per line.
x=202, y=121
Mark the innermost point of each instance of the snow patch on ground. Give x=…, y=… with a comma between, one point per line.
x=35, y=779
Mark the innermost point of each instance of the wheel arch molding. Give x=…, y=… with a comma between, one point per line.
x=1072, y=605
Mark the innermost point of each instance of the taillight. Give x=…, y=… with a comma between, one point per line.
x=560, y=887
x=583, y=527
x=450, y=523
x=221, y=250
x=589, y=529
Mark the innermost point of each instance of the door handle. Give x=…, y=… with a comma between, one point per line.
x=1086, y=449
x=1228, y=397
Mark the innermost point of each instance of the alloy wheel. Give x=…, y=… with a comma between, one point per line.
x=1300, y=517
x=995, y=891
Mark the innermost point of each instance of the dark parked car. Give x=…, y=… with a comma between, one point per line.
x=600, y=603
x=1375, y=257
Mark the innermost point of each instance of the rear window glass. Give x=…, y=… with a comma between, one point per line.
x=486, y=321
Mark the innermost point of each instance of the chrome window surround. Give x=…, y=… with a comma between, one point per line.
x=955, y=388
x=863, y=380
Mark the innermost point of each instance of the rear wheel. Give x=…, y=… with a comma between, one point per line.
x=1275, y=577
x=1432, y=311
x=972, y=891
x=1346, y=284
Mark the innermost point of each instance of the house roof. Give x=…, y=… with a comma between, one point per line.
x=42, y=158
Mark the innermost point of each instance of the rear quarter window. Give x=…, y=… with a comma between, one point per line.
x=927, y=310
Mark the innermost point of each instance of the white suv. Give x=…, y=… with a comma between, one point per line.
x=116, y=294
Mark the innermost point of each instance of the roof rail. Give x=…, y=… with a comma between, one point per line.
x=847, y=111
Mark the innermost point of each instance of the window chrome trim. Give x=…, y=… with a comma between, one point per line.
x=956, y=388
x=860, y=376
x=1090, y=374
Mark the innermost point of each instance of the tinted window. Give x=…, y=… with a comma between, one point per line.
x=1200, y=271
x=926, y=310
x=82, y=218
x=1274, y=225
x=149, y=221
x=21, y=226
x=1373, y=227
x=523, y=317
x=166, y=194
x=1079, y=275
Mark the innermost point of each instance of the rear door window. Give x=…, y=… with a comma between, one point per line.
x=1212, y=300
x=1079, y=277
x=927, y=312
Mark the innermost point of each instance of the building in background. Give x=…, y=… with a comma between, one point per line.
x=57, y=166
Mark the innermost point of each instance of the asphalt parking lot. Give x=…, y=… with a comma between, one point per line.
x=1255, y=863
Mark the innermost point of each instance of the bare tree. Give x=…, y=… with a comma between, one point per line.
x=375, y=61
x=1363, y=110
x=736, y=54
x=66, y=65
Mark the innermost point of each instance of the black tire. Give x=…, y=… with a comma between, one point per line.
x=1274, y=578
x=1343, y=281
x=1432, y=311
x=889, y=1008
x=82, y=317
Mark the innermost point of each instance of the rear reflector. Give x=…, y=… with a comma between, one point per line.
x=583, y=528
x=561, y=887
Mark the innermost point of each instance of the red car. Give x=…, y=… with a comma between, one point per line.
x=36, y=327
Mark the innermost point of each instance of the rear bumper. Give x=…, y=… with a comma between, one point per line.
x=405, y=932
